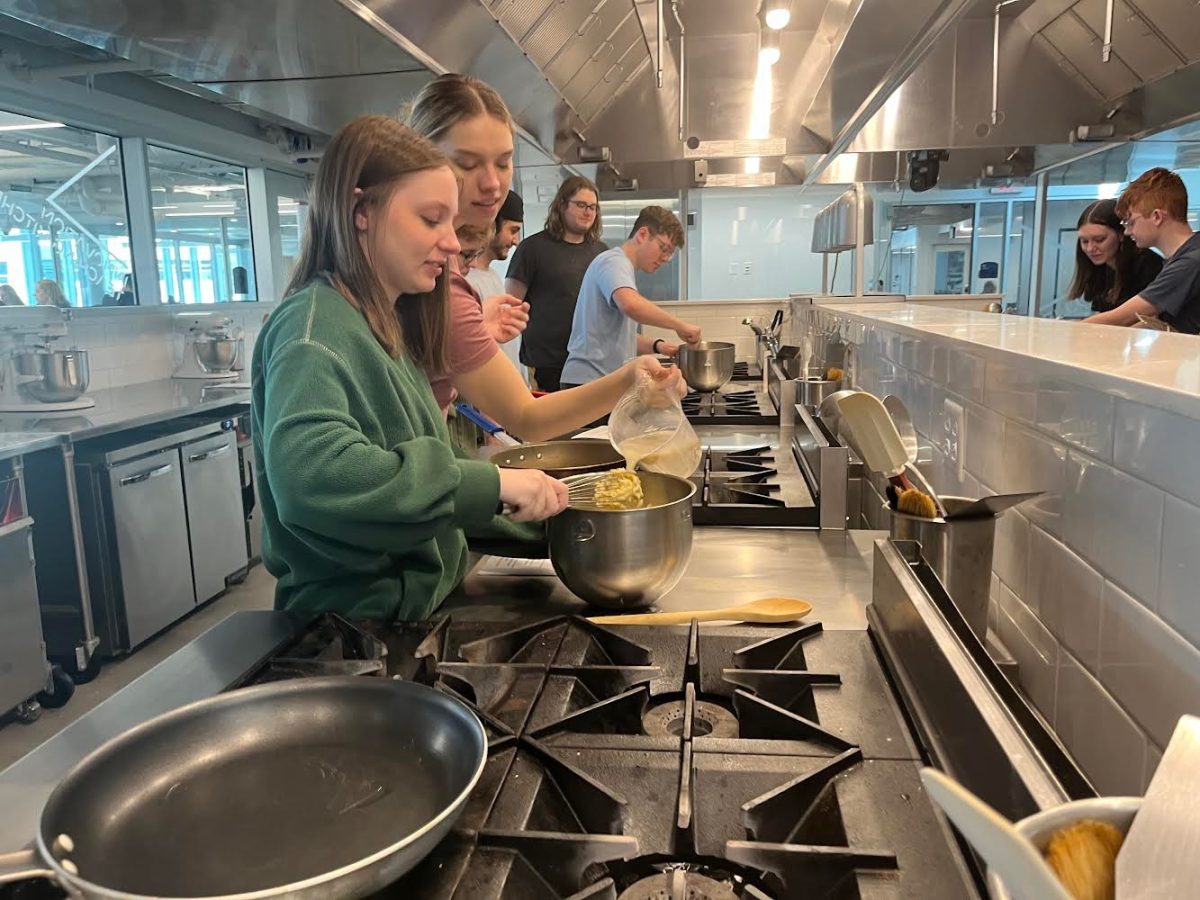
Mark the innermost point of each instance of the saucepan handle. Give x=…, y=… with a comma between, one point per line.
x=22, y=866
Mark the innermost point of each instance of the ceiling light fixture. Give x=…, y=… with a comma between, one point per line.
x=768, y=48
x=36, y=127
x=776, y=13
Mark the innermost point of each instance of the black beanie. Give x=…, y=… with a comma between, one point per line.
x=513, y=208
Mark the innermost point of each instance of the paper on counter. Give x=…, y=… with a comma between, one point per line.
x=505, y=565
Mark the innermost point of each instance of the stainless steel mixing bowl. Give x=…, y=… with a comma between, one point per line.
x=62, y=375
x=706, y=366
x=558, y=459
x=626, y=559
x=216, y=354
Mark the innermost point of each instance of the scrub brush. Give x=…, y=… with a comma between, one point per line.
x=911, y=501
x=1084, y=857
x=833, y=373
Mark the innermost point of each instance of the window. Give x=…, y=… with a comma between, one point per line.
x=62, y=214
x=201, y=228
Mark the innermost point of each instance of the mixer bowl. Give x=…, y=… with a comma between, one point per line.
x=61, y=375
x=706, y=366
x=558, y=459
x=217, y=354
x=626, y=559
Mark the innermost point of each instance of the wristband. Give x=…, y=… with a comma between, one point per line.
x=654, y=346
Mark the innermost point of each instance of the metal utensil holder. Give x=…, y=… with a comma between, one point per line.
x=960, y=552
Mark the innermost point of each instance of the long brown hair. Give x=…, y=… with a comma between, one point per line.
x=372, y=153
x=555, y=227
x=453, y=98
x=1102, y=285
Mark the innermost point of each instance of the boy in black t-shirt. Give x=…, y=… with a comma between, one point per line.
x=1153, y=211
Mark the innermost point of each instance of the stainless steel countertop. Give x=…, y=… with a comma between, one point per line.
x=830, y=569
x=118, y=409
x=18, y=443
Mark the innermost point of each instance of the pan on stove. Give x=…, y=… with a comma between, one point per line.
x=322, y=787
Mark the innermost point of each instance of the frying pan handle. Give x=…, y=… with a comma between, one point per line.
x=21, y=866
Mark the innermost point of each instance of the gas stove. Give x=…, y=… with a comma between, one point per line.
x=746, y=371
x=743, y=486
x=628, y=763
x=730, y=406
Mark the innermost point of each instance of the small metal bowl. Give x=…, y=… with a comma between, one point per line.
x=216, y=355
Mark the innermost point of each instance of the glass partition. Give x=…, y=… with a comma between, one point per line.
x=618, y=215
x=63, y=237
x=201, y=228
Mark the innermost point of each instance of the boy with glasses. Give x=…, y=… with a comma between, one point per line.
x=547, y=270
x=604, y=331
x=1153, y=211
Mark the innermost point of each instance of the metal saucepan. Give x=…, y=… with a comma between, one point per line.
x=626, y=559
x=321, y=787
x=61, y=375
x=558, y=459
x=812, y=392
x=706, y=366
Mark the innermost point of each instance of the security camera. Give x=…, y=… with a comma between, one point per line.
x=923, y=167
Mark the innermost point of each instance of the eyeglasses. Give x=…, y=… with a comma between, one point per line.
x=584, y=207
x=469, y=256
x=1128, y=223
x=665, y=248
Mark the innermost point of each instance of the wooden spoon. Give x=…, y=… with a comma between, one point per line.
x=769, y=609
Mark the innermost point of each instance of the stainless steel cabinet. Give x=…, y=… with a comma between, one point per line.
x=215, y=516
x=23, y=667
x=151, y=535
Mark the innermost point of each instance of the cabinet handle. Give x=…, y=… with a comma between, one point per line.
x=209, y=454
x=146, y=476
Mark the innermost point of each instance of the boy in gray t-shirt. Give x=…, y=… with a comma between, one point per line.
x=604, y=330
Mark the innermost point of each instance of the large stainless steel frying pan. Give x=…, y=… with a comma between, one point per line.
x=323, y=787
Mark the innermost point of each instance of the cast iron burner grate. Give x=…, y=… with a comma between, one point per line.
x=741, y=487
x=731, y=408
x=744, y=371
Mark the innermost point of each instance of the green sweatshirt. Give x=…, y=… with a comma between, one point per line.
x=364, y=501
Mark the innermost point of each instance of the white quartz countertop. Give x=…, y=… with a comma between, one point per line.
x=1155, y=367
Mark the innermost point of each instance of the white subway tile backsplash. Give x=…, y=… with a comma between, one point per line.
x=1146, y=665
x=1033, y=462
x=1179, y=569
x=1066, y=594
x=1010, y=559
x=1011, y=391
x=983, y=444
x=1157, y=446
x=1078, y=416
x=966, y=374
x=1100, y=735
x=1033, y=647
x=1116, y=522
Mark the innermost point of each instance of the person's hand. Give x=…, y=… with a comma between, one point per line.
x=505, y=317
x=667, y=379
x=688, y=333
x=668, y=349
x=532, y=494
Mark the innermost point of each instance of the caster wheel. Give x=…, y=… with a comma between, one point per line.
x=63, y=688
x=28, y=712
x=78, y=675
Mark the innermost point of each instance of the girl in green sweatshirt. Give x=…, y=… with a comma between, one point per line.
x=364, y=500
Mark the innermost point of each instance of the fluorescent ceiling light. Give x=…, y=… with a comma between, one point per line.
x=35, y=127
x=768, y=48
x=777, y=14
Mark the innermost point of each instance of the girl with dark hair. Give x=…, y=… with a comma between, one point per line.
x=364, y=500
x=1109, y=267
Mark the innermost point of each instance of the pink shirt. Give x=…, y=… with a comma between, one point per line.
x=471, y=346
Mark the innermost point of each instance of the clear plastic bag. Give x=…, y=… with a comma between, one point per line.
x=649, y=429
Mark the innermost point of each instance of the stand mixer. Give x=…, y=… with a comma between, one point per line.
x=212, y=347
x=34, y=378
